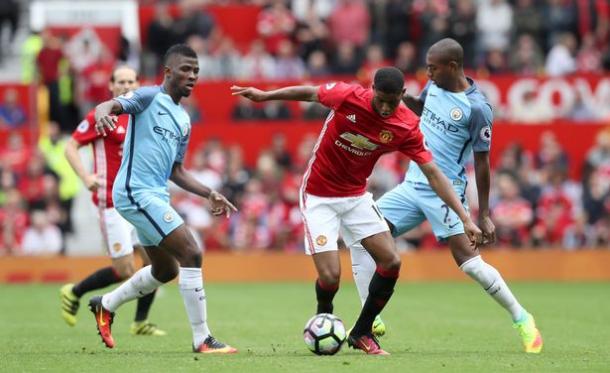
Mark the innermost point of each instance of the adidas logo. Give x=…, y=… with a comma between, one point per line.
x=351, y=118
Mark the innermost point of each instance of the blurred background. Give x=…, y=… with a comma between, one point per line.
x=544, y=65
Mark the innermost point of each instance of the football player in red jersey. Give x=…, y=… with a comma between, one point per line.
x=363, y=125
x=119, y=236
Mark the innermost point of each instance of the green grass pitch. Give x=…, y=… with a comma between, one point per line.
x=432, y=327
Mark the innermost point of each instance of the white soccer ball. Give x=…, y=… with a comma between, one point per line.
x=324, y=334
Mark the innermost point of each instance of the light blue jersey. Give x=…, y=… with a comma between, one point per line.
x=157, y=137
x=453, y=124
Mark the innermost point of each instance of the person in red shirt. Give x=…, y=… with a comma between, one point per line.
x=119, y=236
x=363, y=125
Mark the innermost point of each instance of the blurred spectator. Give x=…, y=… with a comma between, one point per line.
x=527, y=20
x=288, y=65
x=191, y=106
x=13, y=222
x=29, y=52
x=560, y=60
x=495, y=62
x=275, y=25
x=12, y=114
x=589, y=57
x=257, y=63
x=285, y=221
x=227, y=60
x=48, y=61
x=194, y=20
x=310, y=35
x=280, y=152
x=161, y=36
x=551, y=155
x=317, y=66
x=304, y=9
x=346, y=61
x=526, y=58
x=246, y=110
x=494, y=23
x=208, y=68
x=397, y=22
x=560, y=18
x=350, y=22
x=434, y=21
x=406, y=58
x=16, y=155
x=9, y=16
x=52, y=145
x=31, y=184
x=512, y=214
x=42, y=237
x=250, y=229
x=373, y=62
x=462, y=27
x=530, y=110
x=314, y=111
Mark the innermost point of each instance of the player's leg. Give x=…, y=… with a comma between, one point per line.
x=321, y=224
x=141, y=325
x=400, y=210
x=181, y=244
x=470, y=261
x=363, y=222
x=118, y=246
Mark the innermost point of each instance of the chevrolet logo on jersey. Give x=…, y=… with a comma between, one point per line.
x=358, y=141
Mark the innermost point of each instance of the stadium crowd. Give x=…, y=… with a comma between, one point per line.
x=534, y=203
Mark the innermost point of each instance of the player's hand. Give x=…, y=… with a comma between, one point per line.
x=489, y=230
x=219, y=204
x=92, y=182
x=106, y=123
x=250, y=93
x=473, y=233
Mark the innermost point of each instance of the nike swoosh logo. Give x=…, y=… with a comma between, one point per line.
x=102, y=322
x=162, y=113
x=453, y=225
x=198, y=289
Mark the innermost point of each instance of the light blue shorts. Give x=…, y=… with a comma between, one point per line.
x=150, y=214
x=409, y=204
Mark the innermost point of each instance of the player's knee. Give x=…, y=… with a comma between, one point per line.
x=124, y=270
x=393, y=262
x=165, y=273
x=330, y=276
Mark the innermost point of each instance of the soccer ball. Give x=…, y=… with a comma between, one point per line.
x=324, y=334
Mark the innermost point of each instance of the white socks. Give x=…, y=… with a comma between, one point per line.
x=494, y=285
x=191, y=288
x=138, y=285
x=363, y=268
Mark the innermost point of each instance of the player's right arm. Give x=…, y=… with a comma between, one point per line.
x=293, y=93
x=130, y=103
x=90, y=180
x=416, y=104
x=105, y=116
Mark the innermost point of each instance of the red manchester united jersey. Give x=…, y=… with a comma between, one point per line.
x=107, y=153
x=353, y=138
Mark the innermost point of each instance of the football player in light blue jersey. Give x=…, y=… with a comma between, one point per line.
x=154, y=150
x=456, y=120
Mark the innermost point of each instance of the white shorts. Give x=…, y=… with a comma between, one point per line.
x=119, y=235
x=355, y=218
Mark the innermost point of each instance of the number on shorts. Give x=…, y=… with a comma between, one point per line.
x=446, y=218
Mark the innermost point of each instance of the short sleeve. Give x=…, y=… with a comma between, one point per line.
x=85, y=132
x=137, y=101
x=414, y=148
x=184, y=143
x=424, y=92
x=481, y=118
x=333, y=94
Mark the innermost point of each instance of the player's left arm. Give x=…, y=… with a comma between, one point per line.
x=442, y=187
x=480, y=133
x=218, y=203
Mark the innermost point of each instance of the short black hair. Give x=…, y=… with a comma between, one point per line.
x=180, y=50
x=448, y=50
x=389, y=80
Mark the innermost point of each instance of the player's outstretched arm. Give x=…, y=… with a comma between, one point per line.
x=90, y=180
x=415, y=104
x=482, y=175
x=293, y=93
x=218, y=203
x=440, y=184
x=105, y=116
